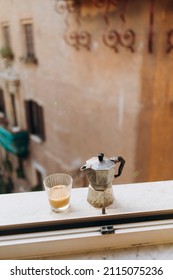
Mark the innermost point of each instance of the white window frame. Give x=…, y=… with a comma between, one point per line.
x=89, y=238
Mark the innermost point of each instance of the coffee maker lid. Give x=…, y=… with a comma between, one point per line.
x=100, y=162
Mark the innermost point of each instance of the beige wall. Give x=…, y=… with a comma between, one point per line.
x=92, y=99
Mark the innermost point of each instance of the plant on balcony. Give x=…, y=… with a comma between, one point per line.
x=7, y=53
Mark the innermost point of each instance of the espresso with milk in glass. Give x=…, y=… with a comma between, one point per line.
x=59, y=196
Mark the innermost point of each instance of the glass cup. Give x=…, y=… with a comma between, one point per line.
x=58, y=187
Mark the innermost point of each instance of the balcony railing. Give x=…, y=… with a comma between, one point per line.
x=14, y=142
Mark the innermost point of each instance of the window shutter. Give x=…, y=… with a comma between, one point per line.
x=34, y=118
x=2, y=102
x=28, y=115
x=41, y=122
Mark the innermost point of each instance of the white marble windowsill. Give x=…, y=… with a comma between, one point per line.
x=22, y=209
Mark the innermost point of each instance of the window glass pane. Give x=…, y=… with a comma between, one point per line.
x=29, y=39
x=115, y=96
x=6, y=34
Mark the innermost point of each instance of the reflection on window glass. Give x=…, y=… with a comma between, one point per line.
x=104, y=77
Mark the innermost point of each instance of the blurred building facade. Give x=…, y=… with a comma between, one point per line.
x=80, y=79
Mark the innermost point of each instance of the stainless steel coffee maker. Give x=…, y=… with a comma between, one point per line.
x=101, y=172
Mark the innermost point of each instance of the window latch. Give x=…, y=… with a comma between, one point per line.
x=107, y=230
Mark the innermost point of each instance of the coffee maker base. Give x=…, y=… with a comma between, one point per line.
x=100, y=199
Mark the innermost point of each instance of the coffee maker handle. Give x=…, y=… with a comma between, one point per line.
x=121, y=166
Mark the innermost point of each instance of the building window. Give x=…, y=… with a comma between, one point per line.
x=29, y=43
x=35, y=119
x=6, y=50
x=14, y=113
x=6, y=36
x=29, y=39
x=2, y=103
